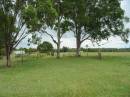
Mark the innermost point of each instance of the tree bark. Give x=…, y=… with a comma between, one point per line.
x=58, y=44
x=58, y=50
x=8, y=57
x=78, y=43
x=8, y=61
x=58, y=38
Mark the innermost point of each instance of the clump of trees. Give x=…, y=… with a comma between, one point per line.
x=92, y=20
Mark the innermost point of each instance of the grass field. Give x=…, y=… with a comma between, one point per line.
x=68, y=77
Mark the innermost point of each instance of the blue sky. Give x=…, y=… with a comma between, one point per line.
x=69, y=41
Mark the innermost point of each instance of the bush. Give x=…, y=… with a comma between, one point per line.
x=65, y=49
x=45, y=47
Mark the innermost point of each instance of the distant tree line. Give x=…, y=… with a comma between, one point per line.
x=107, y=49
x=67, y=49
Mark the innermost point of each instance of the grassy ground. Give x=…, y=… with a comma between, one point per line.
x=68, y=77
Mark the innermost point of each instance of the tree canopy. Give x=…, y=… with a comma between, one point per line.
x=95, y=19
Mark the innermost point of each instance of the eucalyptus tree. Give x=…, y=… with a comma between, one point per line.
x=48, y=14
x=60, y=25
x=107, y=20
x=95, y=19
x=78, y=14
x=60, y=28
x=12, y=26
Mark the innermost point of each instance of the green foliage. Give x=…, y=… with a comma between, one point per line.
x=12, y=24
x=39, y=14
x=30, y=16
x=45, y=47
x=107, y=20
x=12, y=27
x=97, y=19
x=7, y=21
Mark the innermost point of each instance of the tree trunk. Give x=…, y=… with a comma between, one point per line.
x=8, y=61
x=58, y=48
x=8, y=58
x=99, y=54
x=58, y=38
x=78, y=43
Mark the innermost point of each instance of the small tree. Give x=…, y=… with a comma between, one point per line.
x=12, y=25
x=65, y=49
x=45, y=47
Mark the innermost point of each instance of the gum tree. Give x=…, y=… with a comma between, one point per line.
x=60, y=25
x=95, y=19
x=107, y=20
x=12, y=26
x=48, y=14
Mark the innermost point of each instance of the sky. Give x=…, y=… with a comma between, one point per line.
x=68, y=39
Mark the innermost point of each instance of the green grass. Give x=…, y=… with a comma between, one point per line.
x=68, y=77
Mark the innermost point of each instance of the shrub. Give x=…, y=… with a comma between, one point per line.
x=45, y=47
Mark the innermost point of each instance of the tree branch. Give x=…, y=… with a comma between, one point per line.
x=85, y=39
x=16, y=44
x=22, y=36
x=50, y=36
